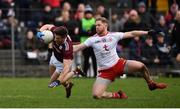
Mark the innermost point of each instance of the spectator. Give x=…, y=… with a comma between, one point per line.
x=6, y=30
x=54, y=4
x=72, y=25
x=3, y=29
x=66, y=6
x=6, y=6
x=149, y=52
x=78, y=16
x=171, y=13
x=162, y=27
x=79, y=12
x=29, y=48
x=133, y=23
x=135, y=49
x=148, y=19
x=170, y=2
x=123, y=20
x=87, y=29
x=101, y=11
x=115, y=24
x=175, y=40
x=48, y=16
x=163, y=50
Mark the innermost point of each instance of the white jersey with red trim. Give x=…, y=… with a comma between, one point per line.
x=105, y=48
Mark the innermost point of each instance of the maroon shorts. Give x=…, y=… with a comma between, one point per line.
x=114, y=71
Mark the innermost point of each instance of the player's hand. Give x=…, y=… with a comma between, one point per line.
x=152, y=32
x=39, y=34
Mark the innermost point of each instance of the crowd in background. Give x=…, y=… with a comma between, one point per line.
x=26, y=16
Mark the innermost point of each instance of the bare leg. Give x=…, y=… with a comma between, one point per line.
x=136, y=66
x=51, y=69
x=66, y=77
x=54, y=75
x=99, y=88
x=63, y=79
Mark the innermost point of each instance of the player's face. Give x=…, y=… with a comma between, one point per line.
x=58, y=39
x=100, y=27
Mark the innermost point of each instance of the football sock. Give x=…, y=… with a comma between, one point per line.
x=65, y=84
x=115, y=95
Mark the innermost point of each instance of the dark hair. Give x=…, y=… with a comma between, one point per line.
x=61, y=31
x=102, y=19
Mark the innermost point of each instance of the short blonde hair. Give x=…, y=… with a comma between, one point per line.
x=102, y=19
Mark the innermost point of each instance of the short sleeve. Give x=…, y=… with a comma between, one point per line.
x=118, y=35
x=68, y=54
x=88, y=42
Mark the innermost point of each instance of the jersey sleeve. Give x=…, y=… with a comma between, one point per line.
x=118, y=35
x=68, y=53
x=88, y=42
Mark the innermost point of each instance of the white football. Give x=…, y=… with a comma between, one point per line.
x=48, y=36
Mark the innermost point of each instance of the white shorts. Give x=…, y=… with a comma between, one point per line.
x=59, y=65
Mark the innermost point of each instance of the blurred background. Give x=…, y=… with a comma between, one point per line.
x=22, y=55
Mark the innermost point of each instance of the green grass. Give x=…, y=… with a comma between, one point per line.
x=33, y=92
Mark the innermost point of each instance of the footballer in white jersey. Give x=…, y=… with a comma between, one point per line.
x=105, y=48
x=109, y=64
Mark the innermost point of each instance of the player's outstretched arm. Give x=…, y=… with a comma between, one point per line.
x=46, y=27
x=79, y=47
x=136, y=33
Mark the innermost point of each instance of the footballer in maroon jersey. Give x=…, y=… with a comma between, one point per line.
x=61, y=58
x=62, y=46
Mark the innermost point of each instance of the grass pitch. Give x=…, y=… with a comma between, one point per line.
x=33, y=93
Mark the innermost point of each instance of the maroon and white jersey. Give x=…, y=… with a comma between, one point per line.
x=63, y=51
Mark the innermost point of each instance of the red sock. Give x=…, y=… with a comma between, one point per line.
x=115, y=95
x=150, y=82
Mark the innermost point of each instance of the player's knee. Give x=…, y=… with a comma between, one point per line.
x=141, y=66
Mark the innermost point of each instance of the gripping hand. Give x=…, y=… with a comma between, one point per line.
x=39, y=35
